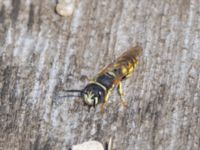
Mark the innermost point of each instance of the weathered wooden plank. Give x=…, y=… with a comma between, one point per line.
x=42, y=53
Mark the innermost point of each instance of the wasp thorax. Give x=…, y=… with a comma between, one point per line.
x=93, y=94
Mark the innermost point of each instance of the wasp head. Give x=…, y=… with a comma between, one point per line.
x=92, y=95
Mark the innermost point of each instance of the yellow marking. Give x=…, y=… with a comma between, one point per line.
x=130, y=69
x=103, y=87
x=111, y=73
x=88, y=98
x=124, y=70
x=128, y=75
x=116, y=65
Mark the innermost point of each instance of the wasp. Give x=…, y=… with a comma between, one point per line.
x=99, y=88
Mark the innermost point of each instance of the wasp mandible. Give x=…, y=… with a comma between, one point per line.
x=111, y=76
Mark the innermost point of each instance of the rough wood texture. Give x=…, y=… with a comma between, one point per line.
x=42, y=53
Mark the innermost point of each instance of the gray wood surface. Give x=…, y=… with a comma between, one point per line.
x=42, y=53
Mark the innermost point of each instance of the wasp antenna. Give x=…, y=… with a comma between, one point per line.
x=79, y=91
x=69, y=96
x=74, y=91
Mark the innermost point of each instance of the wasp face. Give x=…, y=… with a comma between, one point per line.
x=90, y=98
x=93, y=95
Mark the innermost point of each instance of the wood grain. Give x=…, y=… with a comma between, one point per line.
x=42, y=53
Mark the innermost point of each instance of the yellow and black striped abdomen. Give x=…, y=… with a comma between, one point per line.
x=123, y=66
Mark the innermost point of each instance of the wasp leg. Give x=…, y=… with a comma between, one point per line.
x=121, y=93
x=105, y=101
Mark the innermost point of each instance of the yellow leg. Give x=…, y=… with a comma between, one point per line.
x=121, y=93
x=105, y=101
